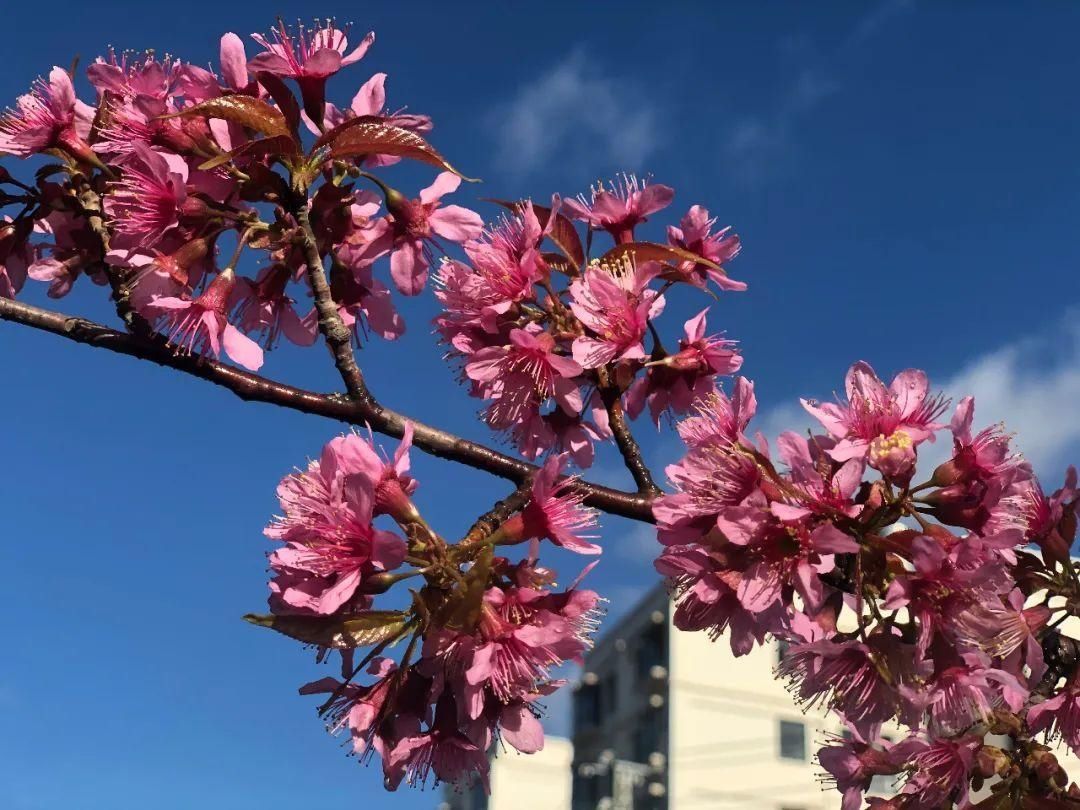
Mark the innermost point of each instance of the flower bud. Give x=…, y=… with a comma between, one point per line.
x=893, y=456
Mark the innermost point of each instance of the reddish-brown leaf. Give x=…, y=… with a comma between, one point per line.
x=284, y=98
x=279, y=144
x=373, y=136
x=655, y=252
x=253, y=113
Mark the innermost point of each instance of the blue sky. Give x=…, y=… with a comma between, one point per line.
x=905, y=179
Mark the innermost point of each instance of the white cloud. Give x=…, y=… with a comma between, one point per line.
x=877, y=18
x=756, y=145
x=573, y=112
x=1033, y=386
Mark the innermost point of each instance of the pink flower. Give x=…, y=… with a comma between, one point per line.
x=819, y=485
x=331, y=546
x=504, y=264
x=565, y=433
x=48, y=117
x=618, y=209
x=878, y=423
x=852, y=764
x=74, y=249
x=364, y=303
x=974, y=486
x=412, y=225
x=310, y=57
x=445, y=751
x=694, y=235
x=614, y=304
x=940, y=588
x=16, y=255
x=720, y=419
x=552, y=513
x=1059, y=716
x=523, y=632
x=233, y=58
x=265, y=309
x=846, y=677
x=707, y=598
x=522, y=375
x=357, y=708
x=151, y=197
x=195, y=325
x=943, y=768
x=677, y=382
x=386, y=480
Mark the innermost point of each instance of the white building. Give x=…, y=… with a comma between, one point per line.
x=539, y=781
x=666, y=719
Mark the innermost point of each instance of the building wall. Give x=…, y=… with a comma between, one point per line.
x=726, y=715
x=539, y=781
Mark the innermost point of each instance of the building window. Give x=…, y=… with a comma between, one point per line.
x=792, y=740
x=587, y=706
x=651, y=650
x=609, y=696
x=647, y=731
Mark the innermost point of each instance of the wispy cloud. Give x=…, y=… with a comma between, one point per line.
x=1032, y=386
x=571, y=113
x=871, y=23
x=757, y=144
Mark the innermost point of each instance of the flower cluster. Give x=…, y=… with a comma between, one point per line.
x=924, y=605
x=483, y=633
x=552, y=339
x=934, y=605
x=172, y=163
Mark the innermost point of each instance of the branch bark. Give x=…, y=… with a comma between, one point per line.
x=624, y=437
x=333, y=329
x=364, y=412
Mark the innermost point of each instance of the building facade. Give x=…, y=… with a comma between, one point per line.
x=665, y=719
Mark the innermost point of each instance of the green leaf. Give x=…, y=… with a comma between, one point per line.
x=247, y=111
x=370, y=135
x=358, y=630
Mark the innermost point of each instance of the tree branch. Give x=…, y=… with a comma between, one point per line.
x=333, y=329
x=624, y=437
x=494, y=517
x=252, y=387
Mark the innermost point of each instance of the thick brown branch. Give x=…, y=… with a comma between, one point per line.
x=333, y=328
x=251, y=387
x=624, y=437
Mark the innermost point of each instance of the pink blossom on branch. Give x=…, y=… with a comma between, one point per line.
x=49, y=116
